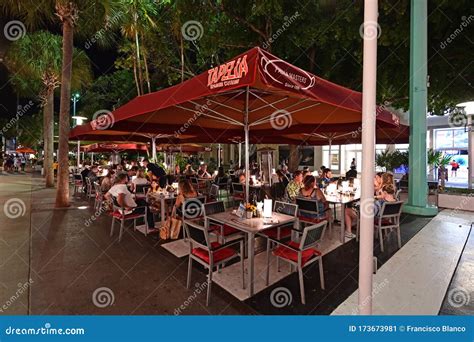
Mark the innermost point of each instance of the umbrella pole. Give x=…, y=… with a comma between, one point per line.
x=240, y=154
x=330, y=146
x=247, y=157
x=78, y=153
x=92, y=157
x=218, y=155
x=369, y=87
x=153, y=147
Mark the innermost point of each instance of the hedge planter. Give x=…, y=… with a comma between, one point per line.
x=456, y=201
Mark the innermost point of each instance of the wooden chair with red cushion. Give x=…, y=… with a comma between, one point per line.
x=300, y=253
x=210, y=254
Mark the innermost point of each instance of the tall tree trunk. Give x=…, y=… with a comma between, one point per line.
x=294, y=158
x=182, y=57
x=48, y=137
x=135, y=75
x=62, y=194
x=147, y=75
x=139, y=62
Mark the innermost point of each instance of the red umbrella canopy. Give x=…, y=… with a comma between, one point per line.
x=113, y=147
x=25, y=150
x=278, y=97
x=184, y=148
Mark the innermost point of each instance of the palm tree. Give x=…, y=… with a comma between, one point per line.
x=35, y=62
x=136, y=21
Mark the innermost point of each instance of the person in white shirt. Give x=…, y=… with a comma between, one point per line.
x=125, y=199
x=139, y=179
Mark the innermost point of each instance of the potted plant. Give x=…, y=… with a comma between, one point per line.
x=250, y=210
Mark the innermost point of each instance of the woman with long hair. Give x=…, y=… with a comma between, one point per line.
x=311, y=191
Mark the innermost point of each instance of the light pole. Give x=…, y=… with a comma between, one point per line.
x=78, y=121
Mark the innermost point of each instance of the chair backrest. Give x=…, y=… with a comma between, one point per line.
x=397, y=194
x=213, y=208
x=391, y=209
x=192, y=207
x=194, y=181
x=214, y=191
x=197, y=234
x=142, y=188
x=312, y=235
x=285, y=208
x=78, y=177
x=278, y=190
x=115, y=204
x=403, y=184
x=97, y=188
x=238, y=188
x=307, y=205
x=222, y=180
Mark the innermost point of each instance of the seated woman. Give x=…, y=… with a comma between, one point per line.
x=107, y=181
x=310, y=190
x=387, y=194
x=378, y=183
x=189, y=171
x=220, y=173
x=185, y=191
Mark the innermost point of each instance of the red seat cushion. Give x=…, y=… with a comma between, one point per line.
x=119, y=215
x=219, y=255
x=385, y=222
x=311, y=219
x=238, y=196
x=287, y=253
x=273, y=233
x=227, y=230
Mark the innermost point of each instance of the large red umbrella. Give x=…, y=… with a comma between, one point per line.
x=24, y=150
x=183, y=148
x=113, y=147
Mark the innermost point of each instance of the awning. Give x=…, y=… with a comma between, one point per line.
x=25, y=150
x=183, y=148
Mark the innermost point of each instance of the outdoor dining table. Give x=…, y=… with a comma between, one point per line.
x=251, y=227
x=163, y=197
x=343, y=200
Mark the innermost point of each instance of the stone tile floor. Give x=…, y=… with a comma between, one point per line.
x=53, y=262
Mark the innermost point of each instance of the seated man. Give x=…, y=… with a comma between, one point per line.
x=294, y=186
x=125, y=199
x=202, y=173
x=352, y=173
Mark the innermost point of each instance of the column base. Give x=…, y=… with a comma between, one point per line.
x=421, y=211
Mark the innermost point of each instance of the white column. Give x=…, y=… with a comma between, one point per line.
x=369, y=86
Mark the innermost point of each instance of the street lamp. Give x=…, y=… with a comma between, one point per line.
x=79, y=120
